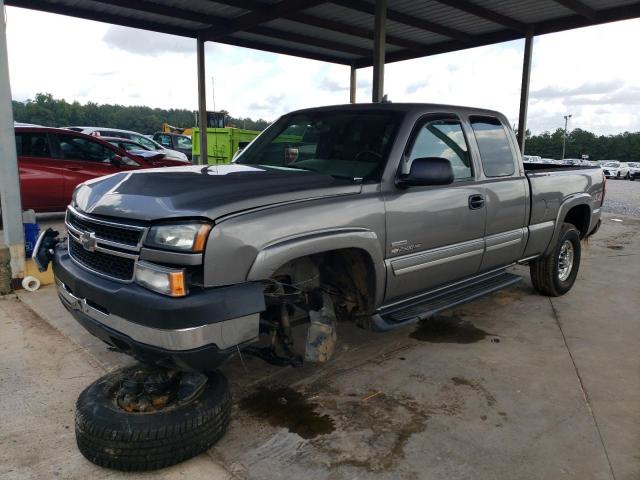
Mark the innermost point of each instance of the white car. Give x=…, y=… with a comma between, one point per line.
x=135, y=136
x=615, y=169
x=634, y=170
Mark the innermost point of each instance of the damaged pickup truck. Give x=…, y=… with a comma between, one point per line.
x=380, y=214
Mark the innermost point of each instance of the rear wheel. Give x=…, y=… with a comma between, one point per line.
x=555, y=274
x=151, y=432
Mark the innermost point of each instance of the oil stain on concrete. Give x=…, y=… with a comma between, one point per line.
x=288, y=408
x=448, y=329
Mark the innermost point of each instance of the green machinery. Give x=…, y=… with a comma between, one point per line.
x=223, y=141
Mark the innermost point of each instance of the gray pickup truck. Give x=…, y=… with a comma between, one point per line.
x=381, y=215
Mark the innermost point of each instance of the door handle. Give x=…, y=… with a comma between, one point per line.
x=74, y=169
x=476, y=202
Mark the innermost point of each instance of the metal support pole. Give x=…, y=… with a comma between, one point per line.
x=202, y=103
x=13, y=233
x=352, y=85
x=379, y=47
x=564, y=136
x=524, y=90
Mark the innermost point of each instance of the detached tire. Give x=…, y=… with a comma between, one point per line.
x=555, y=274
x=113, y=438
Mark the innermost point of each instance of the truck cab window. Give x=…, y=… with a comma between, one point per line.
x=444, y=139
x=495, y=150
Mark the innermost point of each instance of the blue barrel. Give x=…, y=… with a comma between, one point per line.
x=31, y=232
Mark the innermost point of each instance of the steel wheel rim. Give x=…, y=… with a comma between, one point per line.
x=565, y=260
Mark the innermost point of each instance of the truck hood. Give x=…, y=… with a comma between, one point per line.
x=202, y=191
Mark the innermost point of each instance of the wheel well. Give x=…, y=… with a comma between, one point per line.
x=348, y=273
x=579, y=217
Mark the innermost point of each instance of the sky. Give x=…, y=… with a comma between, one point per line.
x=590, y=73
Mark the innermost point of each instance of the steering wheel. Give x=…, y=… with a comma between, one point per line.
x=367, y=152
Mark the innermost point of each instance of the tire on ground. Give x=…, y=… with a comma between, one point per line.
x=113, y=438
x=544, y=270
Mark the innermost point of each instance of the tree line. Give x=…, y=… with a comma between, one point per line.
x=622, y=146
x=52, y=112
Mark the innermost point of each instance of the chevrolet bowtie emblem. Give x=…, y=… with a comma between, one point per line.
x=88, y=241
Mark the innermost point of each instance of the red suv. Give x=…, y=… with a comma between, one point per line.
x=53, y=161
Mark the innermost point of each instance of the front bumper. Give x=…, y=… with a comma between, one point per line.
x=198, y=331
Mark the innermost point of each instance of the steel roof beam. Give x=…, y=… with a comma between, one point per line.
x=166, y=11
x=161, y=28
x=485, y=13
x=88, y=14
x=222, y=23
x=307, y=40
x=257, y=17
x=579, y=8
x=613, y=14
x=326, y=24
x=410, y=20
x=340, y=27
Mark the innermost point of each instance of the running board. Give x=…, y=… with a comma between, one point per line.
x=426, y=306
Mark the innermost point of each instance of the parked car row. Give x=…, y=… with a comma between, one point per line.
x=53, y=161
x=611, y=168
x=149, y=143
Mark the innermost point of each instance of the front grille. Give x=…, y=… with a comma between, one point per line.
x=125, y=236
x=109, y=265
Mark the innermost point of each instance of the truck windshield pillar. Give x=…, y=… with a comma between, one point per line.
x=10, y=204
x=202, y=102
x=524, y=90
x=379, y=46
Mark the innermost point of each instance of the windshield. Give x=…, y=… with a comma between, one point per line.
x=612, y=164
x=350, y=144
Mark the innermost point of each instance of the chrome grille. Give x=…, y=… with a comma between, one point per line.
x=115, y=234
x=105, y=247
x=113, y=266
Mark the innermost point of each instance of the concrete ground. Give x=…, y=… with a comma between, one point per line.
x=513, y=386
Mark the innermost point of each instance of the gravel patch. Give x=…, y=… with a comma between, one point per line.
x=622, y=198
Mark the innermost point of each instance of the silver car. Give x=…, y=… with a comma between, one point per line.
x=135, y=136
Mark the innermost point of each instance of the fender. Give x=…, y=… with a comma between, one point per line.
x=570, y=202
x=273, y=256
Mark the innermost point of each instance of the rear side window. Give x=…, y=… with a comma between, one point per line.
x=78, y=148
x=445, y=139
x=495, y=148
x=32, y=145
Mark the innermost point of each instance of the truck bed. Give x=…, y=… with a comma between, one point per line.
x=551, y=185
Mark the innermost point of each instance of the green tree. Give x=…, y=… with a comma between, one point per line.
x=48, y=111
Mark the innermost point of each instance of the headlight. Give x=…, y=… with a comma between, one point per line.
x=169, y=281
x=186, y=237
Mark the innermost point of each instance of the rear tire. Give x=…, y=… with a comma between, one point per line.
x=555, y=274
x=114, y=438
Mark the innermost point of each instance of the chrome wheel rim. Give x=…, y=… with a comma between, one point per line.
x=565, y=260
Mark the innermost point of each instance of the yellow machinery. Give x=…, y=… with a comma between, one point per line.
x=166, y=128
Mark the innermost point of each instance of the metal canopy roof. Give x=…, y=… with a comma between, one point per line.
x=341, y=31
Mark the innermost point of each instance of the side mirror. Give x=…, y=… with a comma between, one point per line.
x=427, y=171
x=117, y=160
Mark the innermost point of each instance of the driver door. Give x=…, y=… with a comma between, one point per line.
x=435, y=233
x=83, y=159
